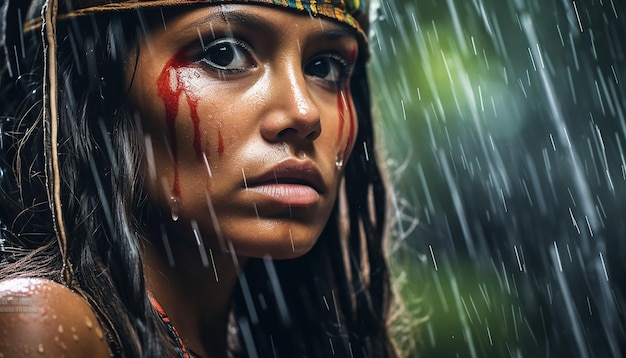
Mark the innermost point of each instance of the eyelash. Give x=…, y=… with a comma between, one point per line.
x=242, y=51
x=345, y=68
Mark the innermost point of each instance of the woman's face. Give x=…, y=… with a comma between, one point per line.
x=248, y=121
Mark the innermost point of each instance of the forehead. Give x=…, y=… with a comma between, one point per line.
x=269, y=19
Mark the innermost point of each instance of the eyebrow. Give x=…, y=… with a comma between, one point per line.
x=245, y=19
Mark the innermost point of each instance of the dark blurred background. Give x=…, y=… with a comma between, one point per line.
x=505, y=128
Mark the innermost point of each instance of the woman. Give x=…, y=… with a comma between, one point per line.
x=176, y=181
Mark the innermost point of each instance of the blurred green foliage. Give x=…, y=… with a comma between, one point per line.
x=427, y=88
x=504, y=127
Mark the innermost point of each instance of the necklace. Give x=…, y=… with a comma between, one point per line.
x=183, y=351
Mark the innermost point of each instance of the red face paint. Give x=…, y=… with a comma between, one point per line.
x=352, y=122
x=170, y=90
x=348, y=96
x=220, y=143
x=171, y=85
x=342, y=119
x=192, y=101
x=348, y=101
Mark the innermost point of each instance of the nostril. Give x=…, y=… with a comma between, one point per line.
x=314, y=134
x=287, y=132
x=310, y=132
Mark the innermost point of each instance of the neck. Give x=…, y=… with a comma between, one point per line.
x=196, y=298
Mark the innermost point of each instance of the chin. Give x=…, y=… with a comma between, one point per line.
x=279, y=241
x=275, y=253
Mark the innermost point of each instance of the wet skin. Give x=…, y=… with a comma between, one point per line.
x=248, y=123
x=44, y=318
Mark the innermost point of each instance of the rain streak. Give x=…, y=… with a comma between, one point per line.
x=505, y=130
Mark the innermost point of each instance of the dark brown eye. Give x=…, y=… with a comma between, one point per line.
x=329, y=68
x=227, y=55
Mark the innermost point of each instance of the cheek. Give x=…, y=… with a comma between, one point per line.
x=347, y=112
x=173, y=85
x=193, y=133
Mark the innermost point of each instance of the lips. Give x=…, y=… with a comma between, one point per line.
x=291, y=182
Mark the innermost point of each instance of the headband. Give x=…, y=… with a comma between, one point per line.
x=343, y=11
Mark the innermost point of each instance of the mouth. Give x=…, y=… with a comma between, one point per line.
x=290, y=183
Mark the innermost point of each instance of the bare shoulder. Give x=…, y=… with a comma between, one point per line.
x=42, y=317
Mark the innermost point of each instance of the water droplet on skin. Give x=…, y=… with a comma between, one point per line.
x=175, y=207
x=73, y=330
x=40, y=348
x=99, y=333
x=60, y=328
x=54, y=316
x=88, y=322
x=75, y=337
x=173, y=79
x=339, y=161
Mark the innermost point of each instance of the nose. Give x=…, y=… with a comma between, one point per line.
x=292, y=114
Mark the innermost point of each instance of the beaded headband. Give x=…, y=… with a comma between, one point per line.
x=344, y=11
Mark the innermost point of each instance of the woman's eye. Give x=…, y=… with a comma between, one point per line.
x=329, y=68
x=227, y=55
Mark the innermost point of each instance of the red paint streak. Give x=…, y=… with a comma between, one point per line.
x=170, y=90
x=352, y=122
x=353, y=58
x=347, y=95
x=220, y=143
x=342, y=117
x=192, y=101
x=170, y=98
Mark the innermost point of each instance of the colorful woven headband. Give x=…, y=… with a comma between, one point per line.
x=344, y=11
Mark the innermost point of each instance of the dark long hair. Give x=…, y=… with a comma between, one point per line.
x=337, y=297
